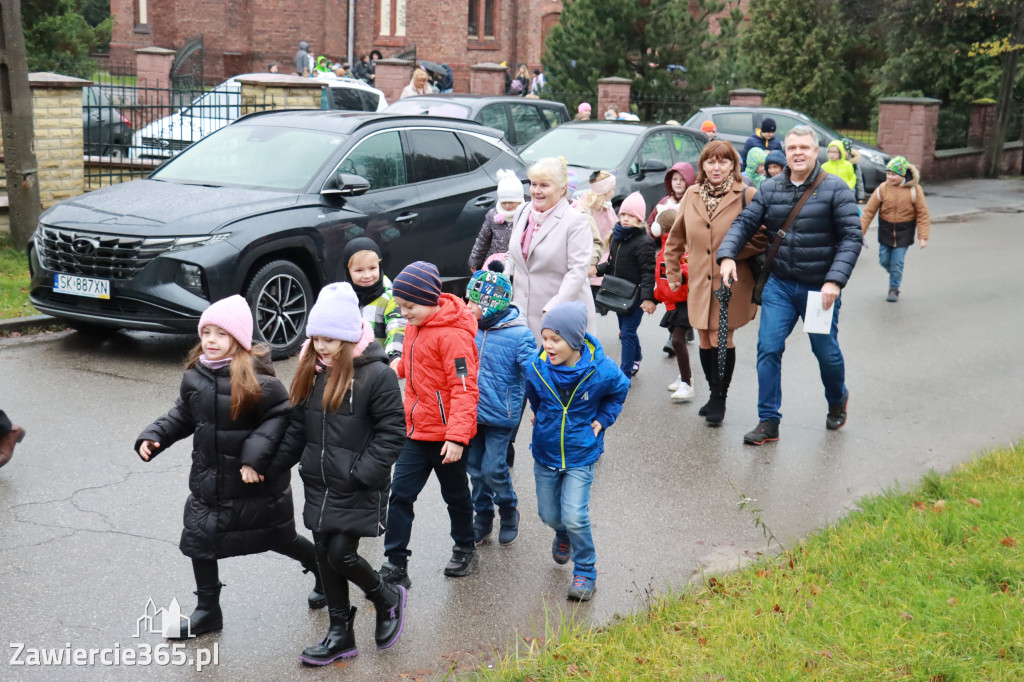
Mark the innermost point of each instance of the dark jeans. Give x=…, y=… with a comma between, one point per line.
x=298, y=548
x=5, y=424
x=417, y=460
x=631, y=353
x=486, y=462
x=337, y=554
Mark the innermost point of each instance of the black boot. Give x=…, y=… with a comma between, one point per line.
x=207, y=617
x=716, y=406
x=389, y=600
x=317, y=598
x=708, y=358
x=340, y=641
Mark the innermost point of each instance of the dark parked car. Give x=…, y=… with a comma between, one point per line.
x=638, y=154
x=264, y=207
x=105, y=132
x=522, y=120
x=736, y=124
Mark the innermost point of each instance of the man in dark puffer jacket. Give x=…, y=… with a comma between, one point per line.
x=817, y=253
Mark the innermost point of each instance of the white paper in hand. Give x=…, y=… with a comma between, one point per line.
x=817, y=320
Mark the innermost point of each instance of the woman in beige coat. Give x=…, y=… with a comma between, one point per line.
x=705, y=215
x=550, y=248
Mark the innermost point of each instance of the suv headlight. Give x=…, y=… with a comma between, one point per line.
x=191, y=278
x=182, y=243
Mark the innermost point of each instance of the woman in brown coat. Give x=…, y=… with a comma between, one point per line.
x=705, y=215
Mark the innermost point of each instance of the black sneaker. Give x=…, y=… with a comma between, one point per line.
x=764, y=432
x=462, y=563
x=837, y=414
x=393, y=575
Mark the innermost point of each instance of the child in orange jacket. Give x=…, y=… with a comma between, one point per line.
x=439, y=364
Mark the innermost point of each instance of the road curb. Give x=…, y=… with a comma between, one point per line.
x=20, y=324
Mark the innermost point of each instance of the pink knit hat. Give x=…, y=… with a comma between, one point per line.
x=231, y=314
x=634, y=205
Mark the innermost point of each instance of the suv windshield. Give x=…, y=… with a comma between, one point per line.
x=581, y=146
x=253, y=156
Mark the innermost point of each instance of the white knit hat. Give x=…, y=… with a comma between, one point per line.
x=509, y=187
x=335, y=315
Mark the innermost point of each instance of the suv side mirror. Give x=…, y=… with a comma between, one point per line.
x=652, y=166
x=346, y=185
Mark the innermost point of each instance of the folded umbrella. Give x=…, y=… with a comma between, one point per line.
x=723, y=294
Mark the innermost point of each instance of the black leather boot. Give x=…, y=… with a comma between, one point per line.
x=708, y=358
x=716, y=406
x=317, y=598
x=340, y=641
x=389, y=600
x=207, y=617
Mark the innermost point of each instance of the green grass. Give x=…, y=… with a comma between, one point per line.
x=924, y=585
x=14, y=281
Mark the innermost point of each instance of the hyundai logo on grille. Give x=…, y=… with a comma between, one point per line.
x=84, y=246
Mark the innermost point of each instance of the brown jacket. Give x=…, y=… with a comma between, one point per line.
x=702, y=235
x=901, y=204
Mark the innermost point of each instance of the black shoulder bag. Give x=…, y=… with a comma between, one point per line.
x=616, y=295
x=769, y=258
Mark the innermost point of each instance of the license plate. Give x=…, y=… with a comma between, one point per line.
x=81, y=286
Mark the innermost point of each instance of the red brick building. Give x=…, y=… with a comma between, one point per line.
x=242, y=36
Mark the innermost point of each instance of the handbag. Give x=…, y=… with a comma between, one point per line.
x=769, y=256
x=616, y=295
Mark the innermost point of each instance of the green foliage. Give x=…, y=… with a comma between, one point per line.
x=640, y=41
x=58, y=38
x=794, y=52
x=14, y=280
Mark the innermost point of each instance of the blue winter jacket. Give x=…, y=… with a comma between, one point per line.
x=504, y=349
x=824, y=241
x=566, y=400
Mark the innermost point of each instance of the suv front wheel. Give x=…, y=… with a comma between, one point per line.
x=280, y=296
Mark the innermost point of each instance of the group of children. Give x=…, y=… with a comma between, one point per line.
x=365, y=450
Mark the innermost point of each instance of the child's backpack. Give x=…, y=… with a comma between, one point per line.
x=662, y=291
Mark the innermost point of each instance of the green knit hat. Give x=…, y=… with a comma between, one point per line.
x=898, y=165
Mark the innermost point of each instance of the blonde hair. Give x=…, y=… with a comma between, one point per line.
x=340, y=376
x=589, y=201
x=417, y=72
x=246, y=390
x=551, y=168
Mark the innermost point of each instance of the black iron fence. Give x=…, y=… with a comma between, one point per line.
x=128, y=130
x=954, y=124
x=661, y=107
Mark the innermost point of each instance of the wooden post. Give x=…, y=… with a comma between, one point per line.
x=16, y=120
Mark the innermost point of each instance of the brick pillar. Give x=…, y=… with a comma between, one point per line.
x=611, y=91
x=746, y=97
x=983, y=122
x=487, y=78
x=57, y=119
x=271, y=91
x=392, y=76
x=153, y=68
x=908, y=126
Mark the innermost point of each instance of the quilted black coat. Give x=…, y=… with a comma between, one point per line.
x=824, y=241
x=223, y=516
x=633, y=259
x=345, y=457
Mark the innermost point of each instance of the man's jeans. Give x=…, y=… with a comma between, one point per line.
x=783, y=303
x=487, y=463
x=891, y=258
x=563, y=502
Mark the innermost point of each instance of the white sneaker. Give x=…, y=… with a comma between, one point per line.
x=683, y=394
x=674, y=386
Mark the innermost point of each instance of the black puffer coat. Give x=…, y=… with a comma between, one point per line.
x=824, y=241
x=632, y=259
x=224, y=516
x=345, y=457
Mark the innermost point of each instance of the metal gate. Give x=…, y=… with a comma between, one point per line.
x=187, y=67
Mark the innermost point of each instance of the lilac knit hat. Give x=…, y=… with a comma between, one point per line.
x=335, y=315
x=231, y=314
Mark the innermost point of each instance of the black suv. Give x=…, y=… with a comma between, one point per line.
x=522, y=120
x=264, y=208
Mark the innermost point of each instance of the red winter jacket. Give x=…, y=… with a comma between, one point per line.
x=439, y=404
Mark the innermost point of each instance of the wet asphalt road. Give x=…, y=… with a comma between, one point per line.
x=88, y=532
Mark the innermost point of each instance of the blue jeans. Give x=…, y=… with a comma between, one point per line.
x=487, y=464
x=783, y=302
x=628, y=324
x=417, y=459
x=891, y=258
x=563, y=502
